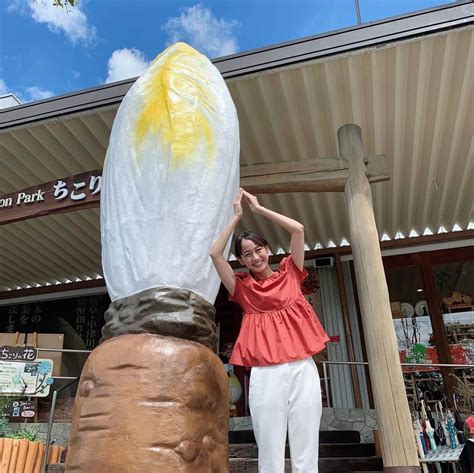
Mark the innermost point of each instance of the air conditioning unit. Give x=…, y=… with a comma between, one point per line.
x=324, y=262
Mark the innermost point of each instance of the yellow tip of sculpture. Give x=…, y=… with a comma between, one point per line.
x=178, y=104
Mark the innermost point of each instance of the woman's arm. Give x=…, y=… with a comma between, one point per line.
x=296, y=229
x=223, y=268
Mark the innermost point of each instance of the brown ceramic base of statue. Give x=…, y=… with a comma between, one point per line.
x=148, y=403
x=168, y=311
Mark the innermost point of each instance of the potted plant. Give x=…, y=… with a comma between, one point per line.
x=465, y=400
x=20, y=451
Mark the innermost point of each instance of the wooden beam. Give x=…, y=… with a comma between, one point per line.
x=77, y=192
x=311, y=175
x=398, y=448
x=437, y=325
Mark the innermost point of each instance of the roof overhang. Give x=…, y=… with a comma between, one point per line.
x=369, y=35
x=406, y=81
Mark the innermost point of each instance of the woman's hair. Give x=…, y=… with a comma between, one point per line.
x=252, y=236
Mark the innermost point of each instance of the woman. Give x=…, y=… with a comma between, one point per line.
x=279, y=334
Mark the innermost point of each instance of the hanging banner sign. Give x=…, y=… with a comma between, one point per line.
x=79, y=191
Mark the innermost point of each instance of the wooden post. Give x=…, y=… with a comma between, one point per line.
x=398, y=445
x=348, y=331
x=362, y=336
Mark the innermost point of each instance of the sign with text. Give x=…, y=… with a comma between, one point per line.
x=81, y=190
x=26, y=378
x=18, y=353
x=82, y=317
x=23, y=409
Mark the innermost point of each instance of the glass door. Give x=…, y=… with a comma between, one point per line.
x=415, y=334
x=455, y=291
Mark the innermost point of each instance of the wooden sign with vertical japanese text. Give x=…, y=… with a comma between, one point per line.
x=74, y=192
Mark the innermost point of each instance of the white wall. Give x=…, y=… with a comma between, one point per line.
x=339, y=375
x=356, y=330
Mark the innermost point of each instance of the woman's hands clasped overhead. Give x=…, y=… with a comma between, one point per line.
x=251, y=200
x=237, y=205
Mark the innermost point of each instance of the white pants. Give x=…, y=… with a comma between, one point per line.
x=283, y=398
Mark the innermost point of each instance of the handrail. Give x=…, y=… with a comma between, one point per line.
x=447, y=365
x=365, y=363
x=50, y=421
x=64, y=350
x=74, y=379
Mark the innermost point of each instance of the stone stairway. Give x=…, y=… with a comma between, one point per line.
x=339, y=451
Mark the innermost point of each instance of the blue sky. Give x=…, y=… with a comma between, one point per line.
x=47, y=51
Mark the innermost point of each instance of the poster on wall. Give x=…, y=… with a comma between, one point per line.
x=79, y=319
x=26, y=378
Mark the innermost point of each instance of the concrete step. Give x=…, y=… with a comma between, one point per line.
x=59, y=468
x=325, y=436
x=326, y=465
x=333, y=450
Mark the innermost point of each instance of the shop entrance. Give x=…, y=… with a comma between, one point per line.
x=432, y=296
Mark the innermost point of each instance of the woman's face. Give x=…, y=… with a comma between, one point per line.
x=253, y=256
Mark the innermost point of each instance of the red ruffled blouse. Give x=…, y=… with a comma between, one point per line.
x=279, y=324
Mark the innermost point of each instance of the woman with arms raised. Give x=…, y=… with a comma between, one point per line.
x=279, y=334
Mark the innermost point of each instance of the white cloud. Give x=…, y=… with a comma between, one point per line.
x=36, y=93
x=3, y=87
x=26, y=94
x=199, y=27
x=15, y=6
x=71, y=21
x=125, y=63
